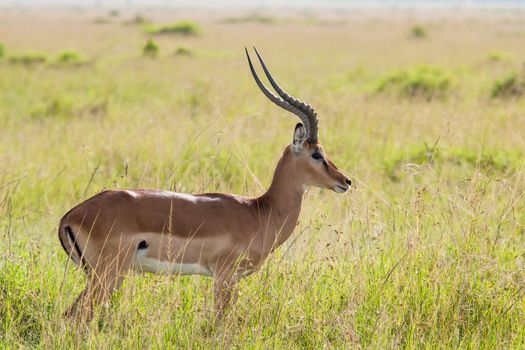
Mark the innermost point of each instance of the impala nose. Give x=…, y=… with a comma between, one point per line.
x=348, y=182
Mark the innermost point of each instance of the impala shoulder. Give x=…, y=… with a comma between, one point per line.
x=118, y=194
x=220, y=197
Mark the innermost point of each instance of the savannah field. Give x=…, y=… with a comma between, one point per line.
x=425, y=113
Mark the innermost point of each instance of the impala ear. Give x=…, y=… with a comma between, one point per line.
x=299, y=138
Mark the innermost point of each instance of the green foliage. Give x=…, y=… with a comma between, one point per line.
x=418, y=32
x=2, y=50
x=187, y=28
x=70, y=57
x=114, y=13
x=151, y=49
x=512, y=85
x=499, y=56
x=419, y=81
x=29, y=58
x=56, y=107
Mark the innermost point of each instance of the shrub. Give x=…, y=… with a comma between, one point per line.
x=2, y=50
x=101, y=20
x=513, y=85
x=70, y=57
x=60, y=106
x=499, y=56
x=114, y=13
x=151, y=48
x=138, y=19
x=418, y=32
x=29, y=58
x=183, y=51
x=255, y=18
x=181, y=28
x=419, y=81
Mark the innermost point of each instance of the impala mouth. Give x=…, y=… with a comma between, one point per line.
x=341, y=188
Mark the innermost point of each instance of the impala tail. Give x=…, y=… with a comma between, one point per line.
x=69, y=242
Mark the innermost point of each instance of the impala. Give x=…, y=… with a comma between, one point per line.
x=223, y=236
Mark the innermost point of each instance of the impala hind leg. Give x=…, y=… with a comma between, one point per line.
x=103, y=280
x=225, y=293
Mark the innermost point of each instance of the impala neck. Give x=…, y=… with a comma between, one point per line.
x=281, y=203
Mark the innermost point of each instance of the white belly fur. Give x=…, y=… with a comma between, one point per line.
x=146, y=264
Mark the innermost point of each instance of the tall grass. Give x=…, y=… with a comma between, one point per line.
x=427, y=251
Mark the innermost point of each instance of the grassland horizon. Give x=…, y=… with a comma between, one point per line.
x=424, y=113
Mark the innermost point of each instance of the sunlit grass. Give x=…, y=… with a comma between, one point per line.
x=427, y=250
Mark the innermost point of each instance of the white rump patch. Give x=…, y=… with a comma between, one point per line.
x=146, y=264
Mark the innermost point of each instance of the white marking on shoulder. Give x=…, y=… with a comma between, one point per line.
x=176, y=195
x=132, y=193
x=187, y=197
x=145, y=264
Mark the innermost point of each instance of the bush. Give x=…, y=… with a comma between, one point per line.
x=2, y=50
x=138, y=19
x=101, y=20
x=70, y=57
x=418, y=32
x=29, y=58
x=499, y=56
x=183, y=51
x=181, y=28
x=513, y=85
x=255, y=18
x=56, y=107
x=151, y=49
x=419, y=81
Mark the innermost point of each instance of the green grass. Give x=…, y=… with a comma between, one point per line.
x=425, y=252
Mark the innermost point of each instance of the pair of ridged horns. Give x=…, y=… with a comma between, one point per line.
x=304, y=111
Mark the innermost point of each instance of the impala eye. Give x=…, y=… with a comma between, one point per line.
x=317, y=156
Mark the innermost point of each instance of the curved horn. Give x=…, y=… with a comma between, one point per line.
x=304, y=107
x=280, y=102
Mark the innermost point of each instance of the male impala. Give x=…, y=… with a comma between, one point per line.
x=214, y=234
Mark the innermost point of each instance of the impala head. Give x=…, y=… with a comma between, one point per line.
x=307, y=153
